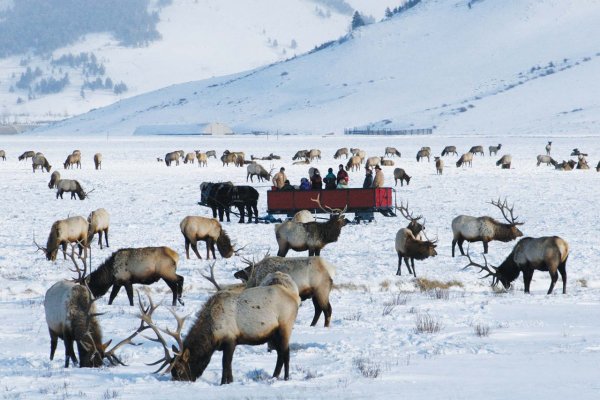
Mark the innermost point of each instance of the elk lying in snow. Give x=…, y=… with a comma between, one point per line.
x=99, y=221
x=258, y=170
x=171, y=157
x=3, y=155
x=39, y=161
x=387, y=163
x=300, y=154
x=465, y=159
x=477, y=150
x=485, y=229
x=314, y=154
x=547, y=253
x=54, y=178
x=189, y=158
x=439, y=166
x=372, y=162
x=144, y=265
x=353, y=163
x=392, y=151
x=548, y=148
x=258, y=315
x=202, y=159
x=208, y=230
x=303, y=216
x=98, y=160
x=341, y=152
x=423, y=153
x=401, y=175
x=505, y=161
x=26, y=155
x=565, y=165
x=63, y=232
x=72, y=159
x=449, y=149
x=582, y=162
x=312, y=275
x=494, y=149
x=541, y=159
x=311, y=236
x=72, y=186
x=409, y=244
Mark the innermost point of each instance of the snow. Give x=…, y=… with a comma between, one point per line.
x=538, y=345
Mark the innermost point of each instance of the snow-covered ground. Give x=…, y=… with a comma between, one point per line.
x=539, y=346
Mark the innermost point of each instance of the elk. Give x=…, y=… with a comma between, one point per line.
x=439, y=166
x=26, y=155
x=505, y=161
x=494, y=149
x=3, y=155
x=211, y=153
x=582, y=162
x=372, y=161
x=409, y=243
x=99, y=221
x=300, y=154
x=202, y=159
x=311, y=236
x=485, y=229
x=387, y=163
x=73, y=159
x=258, y=315
x=565, y=165
x=189, y=158
x=541, y=159
x=64, y=231
x=98, y=161
x=341, y=152
x=39, y=161
x=314, y=154
x=423, y=153
x=256, y=169
x=548, y=148
x=353, y=163
x=477, y=150
x=144, y=265
x=392, y=150
x=72, y=186
x=208, y=230
x=228, y=159
x=548, y=253
x=577, y=152
x=401, y=175
x=312, y=275
x=54, y=178
x=358, y=152
x=465, y=159
x=449, y=149
x=171, y=157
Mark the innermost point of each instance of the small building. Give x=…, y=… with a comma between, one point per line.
x=209, y=128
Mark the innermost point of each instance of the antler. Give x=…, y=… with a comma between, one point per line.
x=504, y=206
x=80, y=275
x=43, y=249
x=328, y=209
x=110, y=355
x=237, y=252
x=211, y=278
x=409, y=216
x=88, y=193
x=493, y=273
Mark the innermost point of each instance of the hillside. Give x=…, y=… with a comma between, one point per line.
x=516, y=67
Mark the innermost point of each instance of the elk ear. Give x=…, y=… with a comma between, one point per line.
x=185, y=356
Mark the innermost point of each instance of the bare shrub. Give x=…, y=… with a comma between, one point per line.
x=399, y=299
x=366, y=367
x=384, y=286
x=357, y=316
x=439, y=294
x=426, y=323
x=388, y=309
x=258, y=375
x=351, y=286
x=482, y=330
x=582, y=282
x=424, y=284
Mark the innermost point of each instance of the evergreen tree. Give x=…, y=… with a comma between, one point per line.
x=388, y=13
x=357, y=20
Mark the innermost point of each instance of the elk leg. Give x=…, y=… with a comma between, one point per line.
x=179, y=289
x=311, y=252
x=407, y=265
x=485, y=247
x=212, y=248
x=174, y=288
x=527, y=276
x=99, y=239
x=412, y=261
x=282, y=251
x=399, y=271
x=563, y=273
x=228, y=349
x=317, y=252
x=554, y=277
x=64, y=249
x=114, y=292
x=227, y=214
x=318, y=311
x=460, y=246
x=187, y=247
x=255, y=209
x=129, y=290
x=69, y=351
x=195, y=249
x=328, y=310
x=242, y=212
x=53, y=344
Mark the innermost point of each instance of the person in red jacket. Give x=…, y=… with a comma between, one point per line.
x=342, y=175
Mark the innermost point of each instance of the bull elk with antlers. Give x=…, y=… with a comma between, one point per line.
x=311, y=236
x=72, y=186
x=485, y=229
x=548, y=253
x=409, y=244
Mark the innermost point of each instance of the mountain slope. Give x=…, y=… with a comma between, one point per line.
x=512, y=67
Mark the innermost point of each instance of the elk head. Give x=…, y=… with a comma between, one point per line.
x=510, y=218
x=414, y=225
x=335, y=214
x=491, y=270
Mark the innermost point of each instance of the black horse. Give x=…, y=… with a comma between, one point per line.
x=222, y=196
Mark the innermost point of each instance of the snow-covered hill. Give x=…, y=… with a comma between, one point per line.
x=465, y=67
x=200, y=39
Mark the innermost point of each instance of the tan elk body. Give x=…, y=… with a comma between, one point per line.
x=353, y=163
x=54, y=178
x=65, y=231
x=98, y=160
x=341, y=152
x=39, y=161
x=99, y=222
x=208, y=230
x=465, y=159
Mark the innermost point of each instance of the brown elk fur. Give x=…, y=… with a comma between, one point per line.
x=311, y=236
x=98, y=160
x=54, y=178
x=65, y=231
x=208, y=230
x=401, y=175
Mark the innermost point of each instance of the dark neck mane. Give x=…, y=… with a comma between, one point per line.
x=332, y=230
x=503, y=232
x=102, y=278
x=509, y=270
x=200, y=340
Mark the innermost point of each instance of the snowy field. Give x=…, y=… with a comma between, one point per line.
x=538, y=346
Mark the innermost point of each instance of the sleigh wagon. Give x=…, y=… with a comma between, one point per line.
x=364, y=203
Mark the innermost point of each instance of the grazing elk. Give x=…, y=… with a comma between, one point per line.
x=72, y=159
x=341, y=152
x=3, y=155
x=401, y=175
x=202, y=159
x=439, y=166
x=424, y=152
x=541, y=159
x=409, y=244
x=300, y=154
x=449, y=149
x=392, y=151
x=485, y=229
x=465, y=159
x=208, y=230
x=312, y=275
x=63, y=232
x=548, y=148
x=211, y=153
x=144, y=265
x=228, y=158
x=494, y=149
x=549, y=253
x=99, y=222
x=26, y=155
x=353, y=163
x=171, y=157
x=39, y=161
x=189, y=158
x=387, y=163
x=311, y=236
x=54, y=178
x=505, y=161
x=477, y=150
x=98, y=160
x=314, y=154
x=72, y=186
x=255, y=169
x=372, y=162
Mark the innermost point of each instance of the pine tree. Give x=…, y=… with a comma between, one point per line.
x=357, y=20
x=388, y=13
